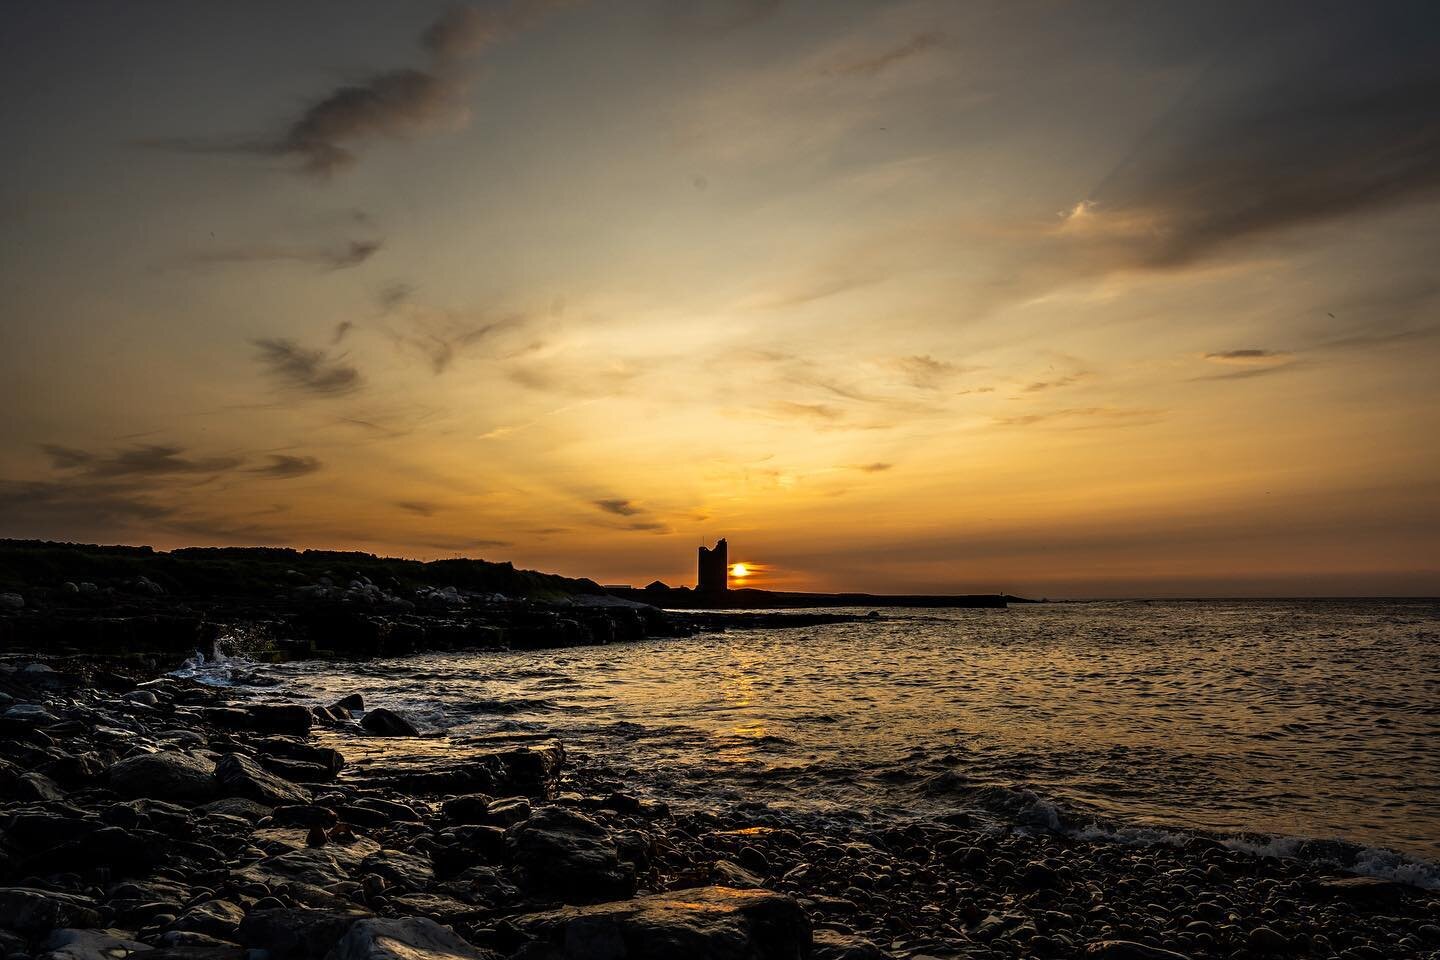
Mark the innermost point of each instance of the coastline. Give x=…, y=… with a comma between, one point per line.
x=182, y=819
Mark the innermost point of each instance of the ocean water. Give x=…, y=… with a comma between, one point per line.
x=1267, y=722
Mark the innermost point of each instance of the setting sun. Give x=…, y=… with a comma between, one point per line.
x=739, y=570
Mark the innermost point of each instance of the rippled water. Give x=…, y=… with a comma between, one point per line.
x=1298, y=718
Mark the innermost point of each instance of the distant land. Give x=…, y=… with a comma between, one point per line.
x=751, y=598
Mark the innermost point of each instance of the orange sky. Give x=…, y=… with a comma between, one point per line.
x=900, y=297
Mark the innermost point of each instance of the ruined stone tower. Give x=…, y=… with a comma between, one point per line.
x=714, y=568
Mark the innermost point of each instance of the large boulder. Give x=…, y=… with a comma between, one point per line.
x=531, y=770
x=561, y=854
x=170, y=775
x=239, y=776
x=414, y=938
x=705, y=923
x=387, y=723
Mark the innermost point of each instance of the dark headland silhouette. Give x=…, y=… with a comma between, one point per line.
x=713, y=591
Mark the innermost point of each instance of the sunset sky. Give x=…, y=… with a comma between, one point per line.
x=1063, y=299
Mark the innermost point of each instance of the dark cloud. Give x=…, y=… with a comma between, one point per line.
x=314, y=371
x=1242, y=355
x=871, y=66
x=1345, y=125
x=394, y=295
x=622, y=508
x=51, y=508
x=284, y=466
x=138, y=461
x=464, y=32
x=392, y=104
x=876, y=467
x=418, y=507
x=351, y=254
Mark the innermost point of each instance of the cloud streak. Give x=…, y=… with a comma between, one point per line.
x=313, y=371
x=352, y=254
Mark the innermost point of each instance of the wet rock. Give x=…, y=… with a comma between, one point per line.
x=287, y=718
x=239, y=776
x=294, y=748
x=349, y=703
x=169, y=775
x=386, y=723
x=237, y=807
x=705, y=923
x=563, y=854
x=414, y=938
x=297, y=934
x=72, y=944
x=32, y=911
x=507, y=812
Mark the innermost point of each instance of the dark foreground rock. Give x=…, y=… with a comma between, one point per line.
x=706, y=923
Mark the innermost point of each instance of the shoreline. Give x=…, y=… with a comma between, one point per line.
x=525, y=849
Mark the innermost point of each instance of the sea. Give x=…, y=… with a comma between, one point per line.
x=1305, y=728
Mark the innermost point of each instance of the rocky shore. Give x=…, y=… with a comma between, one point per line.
x=150, y=814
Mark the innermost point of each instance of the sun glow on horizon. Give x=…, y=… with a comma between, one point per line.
x=739, y=571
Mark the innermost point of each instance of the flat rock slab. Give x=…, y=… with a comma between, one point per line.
x=414, y=938
x=439, y=765
x=31, y=911
x=72, y=944
x=705, y=923
x=239, y=776
x=168, y=775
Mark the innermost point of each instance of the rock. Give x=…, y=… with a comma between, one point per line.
x=169, y=775
x=238, y=807
x=71, y=944
x=294, y=748
x=1266, y=940
x=467, y=808
x=387, y=723
x=32, y=713
x=507, y=812
x=532, y=770
x=414, y=938
x=705, y=923
x=239, y=776
x=399, y=869
x=291, y=934
x=829, y=945
x=563, y=854
x=290, y=718
x=728, y=874
x=346, y=704
x=11, y=601
x=215, y=918
x=1128, y=950
x=32, y=911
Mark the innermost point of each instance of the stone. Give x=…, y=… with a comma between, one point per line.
x=399, y=869
x=563, y=854
x=413, y=938
x=704, y=923
x=467, y=808
x=830, y=945
x=237, y=807
x=348, y=703
x=168, y=775
x=239, y=776
x=215, y=918
x=72, y=944
x=32, y=713
x=387, y=723
x=296, y=934
x=32, y=911
x=728, y=874
x=1129, y=950
x=289, y=718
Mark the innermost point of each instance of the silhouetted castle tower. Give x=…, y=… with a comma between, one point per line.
x=714, y=568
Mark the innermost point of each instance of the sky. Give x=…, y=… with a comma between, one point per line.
x=1058, y=299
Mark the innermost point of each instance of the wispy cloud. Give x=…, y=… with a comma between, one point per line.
x=137, y=461
x=873, y=65
x=421, y=508
x=352, y=254
x=314, y=371
x=284, y=466
x=623, y=508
